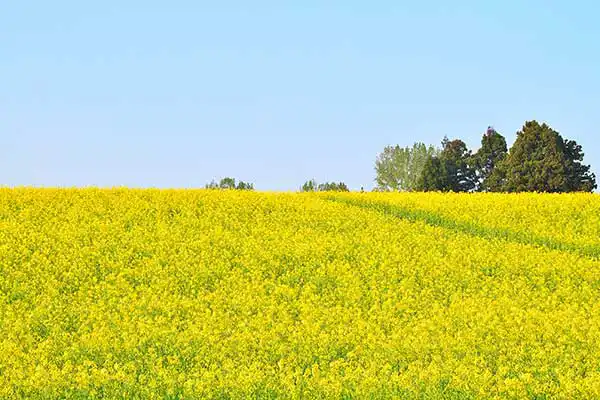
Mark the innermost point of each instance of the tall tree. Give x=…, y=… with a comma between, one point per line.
x=399, y=168
x=433, y=177
x=460, y=171
x=452, y=170
x=541, y=160
x=492, y=151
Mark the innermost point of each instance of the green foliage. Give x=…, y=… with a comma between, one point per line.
x=579, y=178
x=460, y=172
x=245, y=186
x=333, y=187
x=433, y=177
x=312, y=186
x=452, y=170
x=229, y=183
x=492, y=151
x=309, y=186
x=400, y=168
x=542, y=161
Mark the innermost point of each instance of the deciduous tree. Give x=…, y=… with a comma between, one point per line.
x=399, y=169
x=313, y=186
x=229, y=183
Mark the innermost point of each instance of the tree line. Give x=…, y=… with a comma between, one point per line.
x=308, y=186
x=229, y=183
x=540, y=160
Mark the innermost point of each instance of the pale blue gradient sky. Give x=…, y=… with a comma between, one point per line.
x=175, y=93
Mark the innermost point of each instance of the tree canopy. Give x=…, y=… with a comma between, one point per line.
x=313, y=186
x=229, y=183
x=399, y=168
x=493, y=150
x=541, y=160
x=452, y=170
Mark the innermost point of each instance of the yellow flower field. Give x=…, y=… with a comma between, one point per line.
x=572, y=218
x=192, y=294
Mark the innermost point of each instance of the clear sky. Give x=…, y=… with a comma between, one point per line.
x=175, y=93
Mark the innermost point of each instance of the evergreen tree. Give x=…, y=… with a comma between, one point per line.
x=433, y=176
x=541, y=160
x=492, y=151
x=452, y=170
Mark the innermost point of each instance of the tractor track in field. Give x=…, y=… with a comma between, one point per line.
x=469, y=228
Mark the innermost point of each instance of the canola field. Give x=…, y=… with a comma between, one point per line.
x=200, y=294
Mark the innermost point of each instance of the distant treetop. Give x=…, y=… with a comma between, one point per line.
x=229, y=183
x=312, y=186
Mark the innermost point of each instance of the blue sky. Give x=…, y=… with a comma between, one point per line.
x=175, y=93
